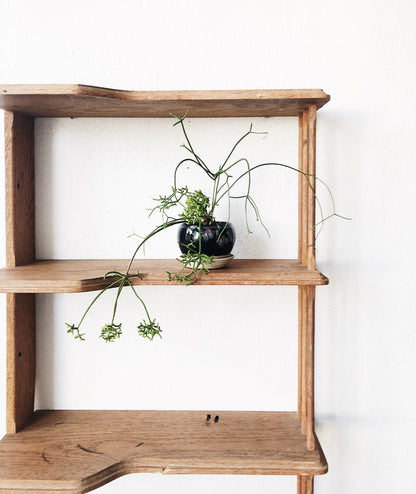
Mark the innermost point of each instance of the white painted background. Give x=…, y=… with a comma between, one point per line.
x=362, y=53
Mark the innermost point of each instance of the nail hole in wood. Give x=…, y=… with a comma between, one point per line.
x=18, y=186
x=208, y=417
x=19, y=354
x=216, y=419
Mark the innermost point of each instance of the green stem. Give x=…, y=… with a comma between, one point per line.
x=190, y=148
x=226, y=170
x=179, y=165
x=265, y=164
x=137, y=295
x=151, y=234
x=214, y=193
x=120, y=288
x=236, y=144
x=95, y=299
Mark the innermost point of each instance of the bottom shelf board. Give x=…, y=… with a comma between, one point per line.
x=76, y=451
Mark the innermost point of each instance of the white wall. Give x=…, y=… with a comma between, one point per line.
x=362, y=53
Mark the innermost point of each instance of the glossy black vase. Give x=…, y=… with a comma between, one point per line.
x=215, y=240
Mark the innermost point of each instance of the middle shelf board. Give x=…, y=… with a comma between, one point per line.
x=77, y=450
x=84, y=275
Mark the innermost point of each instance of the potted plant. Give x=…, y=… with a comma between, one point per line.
x=203, y=240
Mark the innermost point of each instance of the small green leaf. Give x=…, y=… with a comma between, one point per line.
x=110, y=332
x=74, y=330
x=149, y=329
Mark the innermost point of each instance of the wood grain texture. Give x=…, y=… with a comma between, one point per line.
x=303, y=188
x=302, y=149
x=20, y=190
x=20, y=249
x=299, y=485
x=306, y=410
x=306, y=253
x=309, y=358
x=59, y=100
x=311, y=170
x=301, y=166
x=21, y=359
x=76, y=451
x=309, y=484
x=301, y=353
x=82, y=275
x=302, y=295
x=302, y=484
x=307, y=186
x=305, y=484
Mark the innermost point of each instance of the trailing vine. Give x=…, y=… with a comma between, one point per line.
x=193, y=208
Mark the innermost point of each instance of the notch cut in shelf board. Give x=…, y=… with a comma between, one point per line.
x=75, y=451
x=83, y=275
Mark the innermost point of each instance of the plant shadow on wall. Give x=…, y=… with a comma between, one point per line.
x=204, y=242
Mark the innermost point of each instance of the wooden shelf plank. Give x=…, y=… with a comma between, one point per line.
x=83, y=275
x=76, y=451
x=74, y=100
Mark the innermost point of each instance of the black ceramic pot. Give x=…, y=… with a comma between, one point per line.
x=215, y=240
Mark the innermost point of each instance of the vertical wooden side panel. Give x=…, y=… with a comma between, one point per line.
x=300, y=188
x=306, y=253
x=20, y=190
x=310, y=363
x=304, y=364
x=311, y=263
x=21, y=359
x=20, y=249
x=301, y=484
x=303, y=185
x=300, y=354
x=307, y=184
x=305, y=484
x=300, y=251
x=309, y=485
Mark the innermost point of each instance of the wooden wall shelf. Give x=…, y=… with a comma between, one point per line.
x=74, y=100
x=85, y=275
x=75, y=451
x=45, y=452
